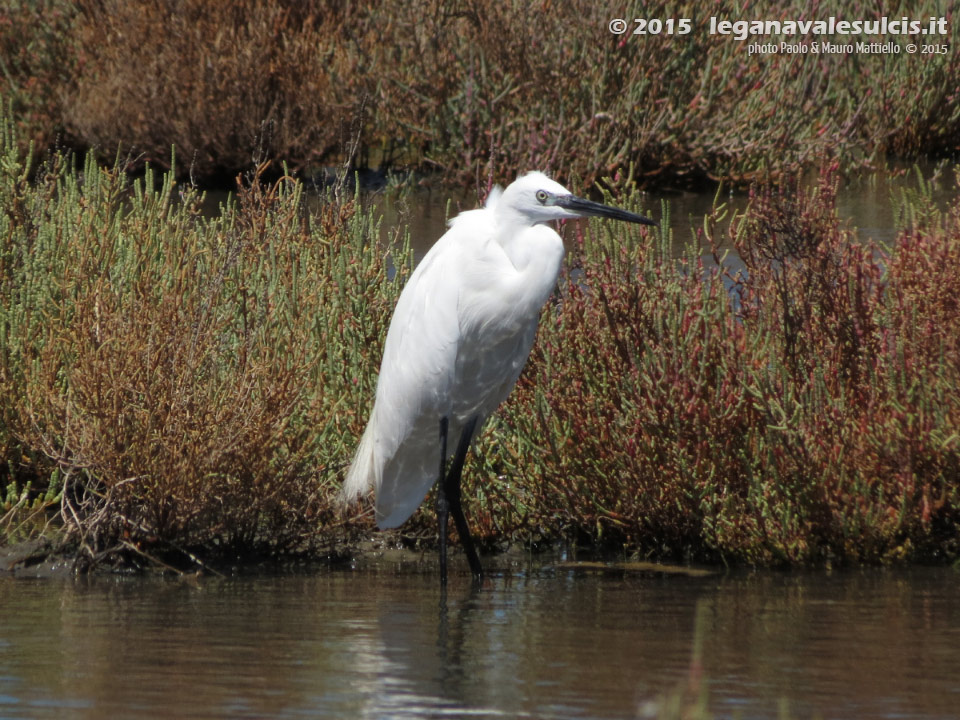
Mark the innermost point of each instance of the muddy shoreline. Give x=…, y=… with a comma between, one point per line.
x=40, y=559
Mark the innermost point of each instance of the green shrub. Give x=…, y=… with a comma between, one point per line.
x=804, y=410
x=195, y=383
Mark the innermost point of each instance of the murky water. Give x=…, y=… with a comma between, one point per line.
x=540, y=642
x=868, y=205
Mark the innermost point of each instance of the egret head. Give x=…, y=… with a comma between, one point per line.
x=535, y=198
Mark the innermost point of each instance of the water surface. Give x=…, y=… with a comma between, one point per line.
x=868, y=206
x=533, y=641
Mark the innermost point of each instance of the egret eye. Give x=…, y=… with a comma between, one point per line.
x=542, y=196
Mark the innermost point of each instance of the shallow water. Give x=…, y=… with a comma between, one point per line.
x=533, y=641
x=867, y=206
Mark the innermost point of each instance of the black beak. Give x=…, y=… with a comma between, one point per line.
x=594, y=209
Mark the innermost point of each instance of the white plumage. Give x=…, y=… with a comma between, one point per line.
x=460, y=335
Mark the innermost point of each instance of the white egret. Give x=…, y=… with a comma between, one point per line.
x=460, y=335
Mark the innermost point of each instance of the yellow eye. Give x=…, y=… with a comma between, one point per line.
x=542, y=196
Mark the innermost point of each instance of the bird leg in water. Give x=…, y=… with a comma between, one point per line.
x=448, y=499
x=443, y=506
x=453, y=497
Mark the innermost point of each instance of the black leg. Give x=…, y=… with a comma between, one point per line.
x=451, y=495
x=443, y=505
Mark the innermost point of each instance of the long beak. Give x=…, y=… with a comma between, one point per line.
x=594, y=209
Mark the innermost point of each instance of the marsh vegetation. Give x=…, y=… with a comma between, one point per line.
x=187, y=389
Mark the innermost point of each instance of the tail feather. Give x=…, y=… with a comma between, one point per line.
x=362, y=475
x=400, y=479
x=401, y=470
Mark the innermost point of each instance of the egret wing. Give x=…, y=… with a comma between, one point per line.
x=399, y=453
